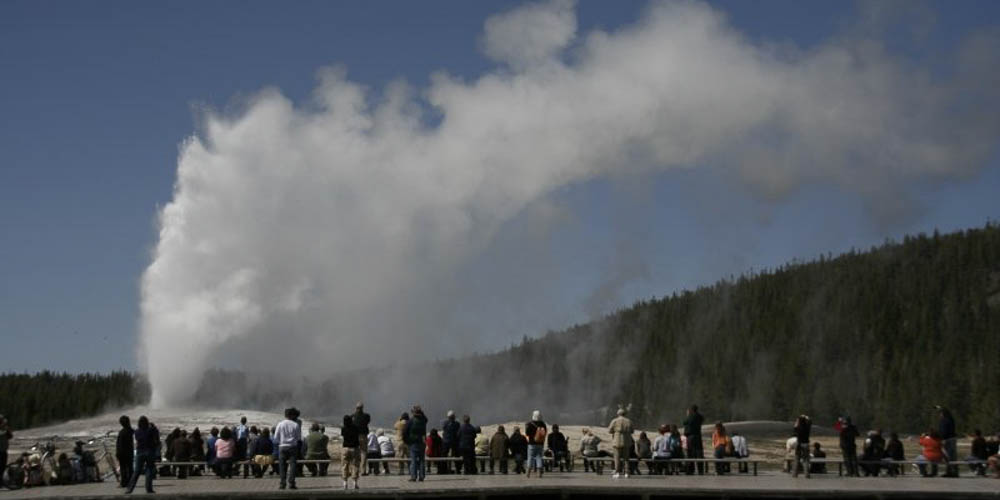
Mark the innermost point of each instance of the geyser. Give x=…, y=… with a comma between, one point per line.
x=318, y=237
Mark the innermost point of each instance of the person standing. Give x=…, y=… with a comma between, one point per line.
x=124, y=450
x=147, y=440
x=692, y=431
x=467, y=444
x=848, y=445
x=415, y=432
x=5, y=437
x=499, y=449
x=287, y=435
x=400, y=428
x=802, y=430
x=536, y=432
x=449, y=439
x=350, y=457
x=621, y=442
x=949, y=440
x=362, y=420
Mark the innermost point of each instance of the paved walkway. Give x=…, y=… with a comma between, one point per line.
x=554, y=485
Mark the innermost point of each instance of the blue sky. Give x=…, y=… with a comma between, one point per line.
x=95, y=98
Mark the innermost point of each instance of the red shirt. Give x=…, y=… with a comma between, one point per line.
x=932, y=448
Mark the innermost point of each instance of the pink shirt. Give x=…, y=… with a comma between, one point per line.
x=224, y=448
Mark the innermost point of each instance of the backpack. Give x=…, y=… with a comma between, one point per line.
x=540, y=433
x=675, y=447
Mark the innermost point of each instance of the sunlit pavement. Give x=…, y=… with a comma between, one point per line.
x=554, y=485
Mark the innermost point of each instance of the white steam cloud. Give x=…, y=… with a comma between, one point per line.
x=311, y=239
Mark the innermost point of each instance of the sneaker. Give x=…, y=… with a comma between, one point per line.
x=626, y=475
x=614, y=476
x=292, y=487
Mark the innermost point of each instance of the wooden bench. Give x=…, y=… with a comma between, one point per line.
x=790, y=462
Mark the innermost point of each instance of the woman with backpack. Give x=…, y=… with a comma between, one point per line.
x=536, y=431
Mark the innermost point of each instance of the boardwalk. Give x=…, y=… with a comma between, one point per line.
x=558, y=486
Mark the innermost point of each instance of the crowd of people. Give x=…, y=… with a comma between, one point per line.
x=938, y=447
x=280, y=450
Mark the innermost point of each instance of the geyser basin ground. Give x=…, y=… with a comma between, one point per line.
x=555, y=486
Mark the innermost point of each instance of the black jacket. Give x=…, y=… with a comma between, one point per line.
x=361, y=421
x=350, y=434
x=182, y=449
x=416, y=430
x=467, y=436
x=518, y=444
x=847, y=437
x=557, y=442
x=692, y=424
x=802, y=430
x=894, y=450
x=449, y=431
x=124, y=447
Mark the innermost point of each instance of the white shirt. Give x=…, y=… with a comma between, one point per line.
x=740, y=446
x=287, y=434
x=385, y=443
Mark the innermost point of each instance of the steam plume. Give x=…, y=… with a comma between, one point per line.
x=328, y=236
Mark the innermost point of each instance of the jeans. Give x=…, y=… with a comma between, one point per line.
x=125, y=469
x=561, y=460
x=469, y=461
x=144, y=462
x=450, y=449
x=850, y=460
x=721, y=467
x=950, y=448
x=224, y=466
x=801, y=459
x=535, y=457
x=922, y=465
x=287, y=458
x=417, y=462
x=695, y=450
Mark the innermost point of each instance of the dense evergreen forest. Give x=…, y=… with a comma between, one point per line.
x=47, y=397
x=880, y=335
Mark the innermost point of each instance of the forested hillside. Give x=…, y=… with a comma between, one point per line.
x=46, y=397
x=880, y=335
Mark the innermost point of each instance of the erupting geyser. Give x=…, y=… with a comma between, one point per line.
x=313, y=238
